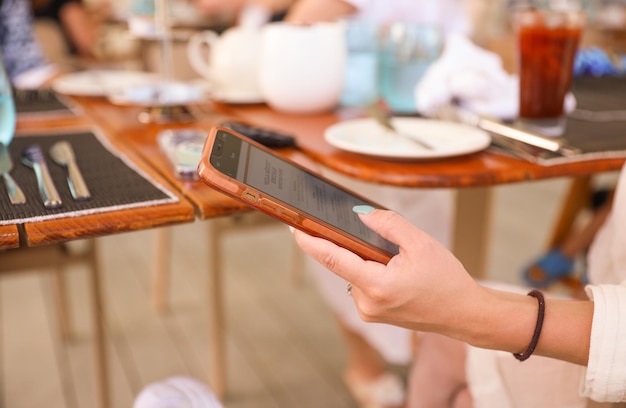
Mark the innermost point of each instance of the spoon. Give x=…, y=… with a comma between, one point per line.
x=33, y=158
x=63, y=155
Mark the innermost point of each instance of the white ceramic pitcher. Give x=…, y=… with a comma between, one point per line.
x=228, y=61
x=302, y=66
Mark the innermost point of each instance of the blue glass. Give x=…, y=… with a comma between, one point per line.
x=360, y=86
x=406, y=52
x=7, y=108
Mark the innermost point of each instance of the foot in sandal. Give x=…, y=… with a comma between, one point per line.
x=384, y=391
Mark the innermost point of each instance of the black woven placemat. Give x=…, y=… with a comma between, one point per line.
x=112, y=180
x=594, y=139
x=600, y=93
x=36, y=101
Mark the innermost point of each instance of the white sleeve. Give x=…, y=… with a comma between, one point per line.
x=605, y=379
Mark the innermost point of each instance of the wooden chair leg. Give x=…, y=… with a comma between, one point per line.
x=577, y=198
x=161, y=276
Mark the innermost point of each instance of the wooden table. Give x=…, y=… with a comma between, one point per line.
x=121, y=124
x=472, y=175
x=106, y=223
x=35, y=245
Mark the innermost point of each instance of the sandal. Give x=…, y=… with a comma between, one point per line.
x=386, y=391
x=548, y=270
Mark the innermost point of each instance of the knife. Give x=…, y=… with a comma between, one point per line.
x=457, y=114
x=63, y=155
x=33, y=157
x=6, y=165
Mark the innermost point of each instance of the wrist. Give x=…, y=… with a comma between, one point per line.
x=501, y=320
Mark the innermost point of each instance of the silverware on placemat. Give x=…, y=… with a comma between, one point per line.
x=33, y=157
x=457, y=114
x=6, y=165
x=63, y=155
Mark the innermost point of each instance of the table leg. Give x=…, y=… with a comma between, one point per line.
x=60, y=297
x=161, y=279
x=99, y=335
x=217, y=349
x=473, y=229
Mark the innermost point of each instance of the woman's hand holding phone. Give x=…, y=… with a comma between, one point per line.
x=424, y=286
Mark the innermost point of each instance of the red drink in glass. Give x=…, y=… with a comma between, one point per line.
x=548, y=41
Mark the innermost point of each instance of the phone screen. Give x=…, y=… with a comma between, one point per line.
x=293, y=186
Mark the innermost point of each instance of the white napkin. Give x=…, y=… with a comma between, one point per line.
x=472, y=75
x=177, y=392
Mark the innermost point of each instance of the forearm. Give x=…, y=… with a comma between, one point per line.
x=81, y=28
x=274, y=6
x=506, y=321
x=308, y=11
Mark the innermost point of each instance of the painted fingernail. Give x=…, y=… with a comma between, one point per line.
x=363, y=209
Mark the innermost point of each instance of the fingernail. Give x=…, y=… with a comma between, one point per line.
x=292, y=229
x=363, y=209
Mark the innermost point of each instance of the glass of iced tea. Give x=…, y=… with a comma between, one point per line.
x=547, y=43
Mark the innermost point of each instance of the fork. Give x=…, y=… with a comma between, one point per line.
x=384, y=120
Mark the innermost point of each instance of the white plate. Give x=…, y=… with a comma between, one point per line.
x=100, y=82
x=366, y=136
x=159, y=94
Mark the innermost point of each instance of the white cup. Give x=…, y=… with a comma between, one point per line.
x=302, y=66
x=228, y=61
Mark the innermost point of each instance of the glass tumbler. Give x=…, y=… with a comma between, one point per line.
x=7, y=107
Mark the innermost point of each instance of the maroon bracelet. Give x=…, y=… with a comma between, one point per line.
x=533, y=344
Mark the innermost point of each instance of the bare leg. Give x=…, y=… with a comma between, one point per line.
x=366, y=374
x=578, y=242
x=437, y=378
x=364, y=362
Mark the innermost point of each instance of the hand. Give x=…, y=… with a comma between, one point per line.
x=424, y=287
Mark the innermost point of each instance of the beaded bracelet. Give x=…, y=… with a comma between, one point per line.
x=533, y=343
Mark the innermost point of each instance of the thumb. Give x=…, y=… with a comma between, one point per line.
x=391, y=226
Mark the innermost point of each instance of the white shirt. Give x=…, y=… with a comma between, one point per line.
x=605, y=379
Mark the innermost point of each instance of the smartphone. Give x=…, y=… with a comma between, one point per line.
x=255, y=175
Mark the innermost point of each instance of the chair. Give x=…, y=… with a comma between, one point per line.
x=54, y=258
x=578, y=199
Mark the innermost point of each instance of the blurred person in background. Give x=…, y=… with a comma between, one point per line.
x=255, y=11
x=79, y=27
x=23, y=60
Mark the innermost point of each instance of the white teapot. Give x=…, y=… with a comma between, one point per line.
x=302, y=66
x=228, y=61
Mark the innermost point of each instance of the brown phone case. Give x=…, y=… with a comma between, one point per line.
x=280, y=210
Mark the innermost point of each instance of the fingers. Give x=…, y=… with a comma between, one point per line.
x=339, y=260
